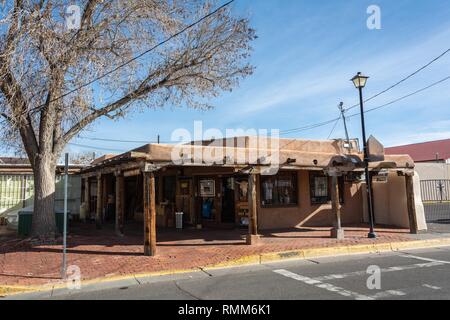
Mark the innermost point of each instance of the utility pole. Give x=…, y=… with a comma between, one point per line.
x=341, y=108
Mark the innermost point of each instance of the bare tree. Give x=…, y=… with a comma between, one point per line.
x=44, y=69
x=84, y=158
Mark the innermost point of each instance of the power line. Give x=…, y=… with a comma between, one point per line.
x=295, y=130
x=140, y=55
x=372, y=97
x=342, y=110
x=304, y=128
x=120, y=141
x=366, y=111
x=309, y=127
x=404, y=79
x=334, y=128
x=404, y=97
x=96, y=148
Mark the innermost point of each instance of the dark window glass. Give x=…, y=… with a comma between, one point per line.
x=169, y=189
x=158, y=200
x=320, y=188
x=279, y=190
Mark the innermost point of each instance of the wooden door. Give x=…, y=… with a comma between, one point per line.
x=184, y=200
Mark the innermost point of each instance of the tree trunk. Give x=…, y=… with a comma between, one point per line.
x=44, y=225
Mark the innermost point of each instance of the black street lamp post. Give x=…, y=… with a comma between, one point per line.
x=360, y=82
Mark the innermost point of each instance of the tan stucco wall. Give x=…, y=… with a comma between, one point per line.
x=390, y=203
x=307, y=215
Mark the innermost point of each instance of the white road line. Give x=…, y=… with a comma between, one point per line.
x=389, y=293
x=390, y=269
x=323, y=285
x=431, y=287
x=424, y=259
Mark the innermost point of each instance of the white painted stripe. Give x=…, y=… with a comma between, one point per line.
x=424, y=259
x=390, y=269
x=322, y=285
x=389, y=293
x=431, y=287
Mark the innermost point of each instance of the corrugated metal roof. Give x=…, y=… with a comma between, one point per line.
x=426, y=151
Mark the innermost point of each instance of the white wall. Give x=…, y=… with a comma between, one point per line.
x=420, y=210
x=74, y=194
x=433, y=171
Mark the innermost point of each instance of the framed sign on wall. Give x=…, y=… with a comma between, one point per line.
x=207, y=188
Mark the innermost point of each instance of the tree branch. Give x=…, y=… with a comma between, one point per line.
x=4, y=115
x=72, y=132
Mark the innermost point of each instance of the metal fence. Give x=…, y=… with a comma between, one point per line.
x=17, y=191
x=435, y=190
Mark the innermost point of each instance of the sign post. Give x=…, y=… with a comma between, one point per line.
x=66, y=178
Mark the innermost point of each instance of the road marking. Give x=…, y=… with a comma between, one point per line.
x=424, y=259
x=390, y=269
x=389, y=293
x=323, y=285
x=431, y=287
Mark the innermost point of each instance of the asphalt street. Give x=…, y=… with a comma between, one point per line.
x=438, y=217
x=418, y=274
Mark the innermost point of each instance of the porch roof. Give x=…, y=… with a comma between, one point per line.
x=287, y=153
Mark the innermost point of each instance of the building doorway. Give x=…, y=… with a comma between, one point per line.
x=184, y=200
x=228, y=200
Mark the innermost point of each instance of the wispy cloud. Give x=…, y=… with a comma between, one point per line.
x=324, y=81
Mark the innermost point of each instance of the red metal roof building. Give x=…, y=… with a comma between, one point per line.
x=424, y=152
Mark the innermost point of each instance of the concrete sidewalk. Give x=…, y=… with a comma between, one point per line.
x=101, y=256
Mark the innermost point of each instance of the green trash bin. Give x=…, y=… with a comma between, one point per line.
x=26, y=220
x=59, y=218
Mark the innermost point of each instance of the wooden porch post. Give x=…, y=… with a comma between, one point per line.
x=98, y=211
x=411, y=204
x=149, y=214
x=87, y=197
x=252, y=237
x=337, y=232
x=119, y=203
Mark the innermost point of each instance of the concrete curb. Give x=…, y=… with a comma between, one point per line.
x=349, y=250
x=253, y=260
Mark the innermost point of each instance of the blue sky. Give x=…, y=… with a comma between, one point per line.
x=305, y=55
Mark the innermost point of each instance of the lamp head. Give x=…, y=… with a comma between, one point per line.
x=359, y=80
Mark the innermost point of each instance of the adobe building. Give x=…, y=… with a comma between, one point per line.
x=249, y=182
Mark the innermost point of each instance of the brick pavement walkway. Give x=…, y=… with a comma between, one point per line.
x=102, y=254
